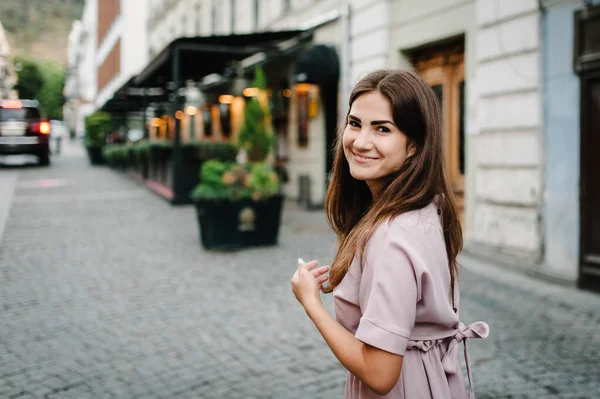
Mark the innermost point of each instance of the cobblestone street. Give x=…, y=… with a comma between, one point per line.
x=107, y=293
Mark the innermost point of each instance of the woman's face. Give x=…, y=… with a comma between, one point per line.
x=373, y=144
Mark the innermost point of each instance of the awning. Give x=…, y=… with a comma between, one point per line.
x=202, y=56
x=199, y=57
x=318, y=65
x=128, y=97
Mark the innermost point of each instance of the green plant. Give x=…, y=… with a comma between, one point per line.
x=233, y=181
x=43, y=80
x=116, y=155
x=255, y=135
x=50, y=95
x=140, y=150
x=221, y=151
x=97, y=126
x=30, y=77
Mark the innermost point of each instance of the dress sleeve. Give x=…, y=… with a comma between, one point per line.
x=388, y=297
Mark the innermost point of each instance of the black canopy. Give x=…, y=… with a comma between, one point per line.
x=201, y=56
x=318, y=65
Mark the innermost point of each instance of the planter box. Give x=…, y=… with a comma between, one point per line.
x=95, y=155
x=226, y=225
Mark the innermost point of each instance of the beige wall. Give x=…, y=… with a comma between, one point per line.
x=509, y=144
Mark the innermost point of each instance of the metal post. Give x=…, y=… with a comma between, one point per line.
x=178, y=196
x=144, y=118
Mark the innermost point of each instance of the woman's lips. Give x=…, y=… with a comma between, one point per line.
x=362, y=159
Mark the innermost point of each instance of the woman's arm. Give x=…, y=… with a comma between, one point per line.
x=378, y=369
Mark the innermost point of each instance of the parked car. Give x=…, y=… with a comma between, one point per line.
x=24, y=129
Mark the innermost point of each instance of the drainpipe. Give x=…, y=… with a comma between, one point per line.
x=345, y=56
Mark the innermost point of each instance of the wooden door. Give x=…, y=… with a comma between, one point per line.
x=443, y=69
x=590, y=182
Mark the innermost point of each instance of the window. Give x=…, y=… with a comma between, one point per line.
x=19, y=114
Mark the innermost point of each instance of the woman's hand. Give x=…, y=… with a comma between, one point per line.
x=307, y=281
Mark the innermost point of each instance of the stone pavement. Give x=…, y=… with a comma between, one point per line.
x=106, y=293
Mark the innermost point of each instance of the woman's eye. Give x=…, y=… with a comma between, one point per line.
x=383, y=129
x=353, y=124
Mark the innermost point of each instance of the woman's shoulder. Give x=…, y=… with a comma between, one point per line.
x=426, y=220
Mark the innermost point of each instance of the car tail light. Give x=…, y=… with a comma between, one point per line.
x=41, y=128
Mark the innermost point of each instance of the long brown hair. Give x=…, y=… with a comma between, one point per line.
x=350, y=209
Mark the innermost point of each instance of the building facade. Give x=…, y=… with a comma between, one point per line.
x=81, y=80
x=8, y=77
x=303, y=147
x=503, y=71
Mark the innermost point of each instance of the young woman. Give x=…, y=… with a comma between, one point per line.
x=395, y=276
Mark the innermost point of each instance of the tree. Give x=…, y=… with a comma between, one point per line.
x=30, y=78
x=50, y=95
x=255, y=135
x=43, y=81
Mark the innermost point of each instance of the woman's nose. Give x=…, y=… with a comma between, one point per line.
x=363, y=141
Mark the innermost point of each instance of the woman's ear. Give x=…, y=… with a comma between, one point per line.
x=411, y=149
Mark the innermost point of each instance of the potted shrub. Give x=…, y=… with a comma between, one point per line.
x=140, y=153
x=194, y=153
x=240, y=204
x=97, y=126
x=159, y=161
x=117, y=155
x=237, y=205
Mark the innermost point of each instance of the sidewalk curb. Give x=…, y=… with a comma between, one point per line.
x=8, y=181
x=554, y=290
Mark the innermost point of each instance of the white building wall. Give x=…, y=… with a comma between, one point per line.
x=369, y=37
x=134, y=54
x=8, y=77
x=509, y=127
x=167, y=21
x=72, y=87
x=87, y=68
x=80, y=87
x=130, y=28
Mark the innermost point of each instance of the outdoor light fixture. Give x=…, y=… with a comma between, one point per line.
x=304, y=87
x=179, y=114
x=251, y=92
x=190, y=110
x=226, y=99
x=287, y=93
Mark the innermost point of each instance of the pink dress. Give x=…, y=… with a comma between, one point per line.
x=398, y=299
